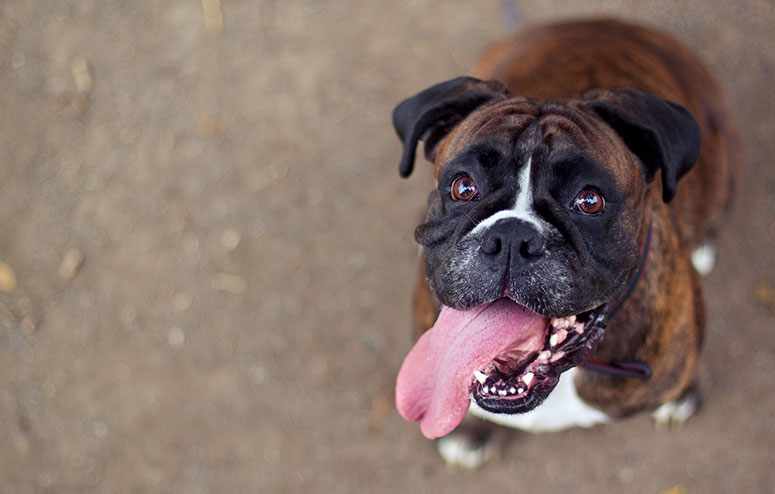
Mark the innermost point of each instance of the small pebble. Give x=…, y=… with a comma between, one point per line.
x=100, y=429
x=229, y=283
x=765, y=294
x=71, y=263
x=176, y=337
x=257, y=374
x=230, y=239
x=7, y=278
x=213, y=16
x=82, y=75
x=182, y=302
x=18, y=60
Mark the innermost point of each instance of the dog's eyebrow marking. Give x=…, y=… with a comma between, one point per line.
x=523, y=207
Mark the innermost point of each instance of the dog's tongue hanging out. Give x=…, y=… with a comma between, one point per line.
x=435, y=380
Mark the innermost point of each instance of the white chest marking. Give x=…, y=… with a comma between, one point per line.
x=563, y=409
x=523, y=207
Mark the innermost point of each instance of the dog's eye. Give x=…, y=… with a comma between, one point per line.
x=589, y=201
x=464, y=189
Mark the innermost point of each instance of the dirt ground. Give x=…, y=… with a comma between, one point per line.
x=206, y=252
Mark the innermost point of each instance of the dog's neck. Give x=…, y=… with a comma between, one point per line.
x=655, y=325
x=627, y=368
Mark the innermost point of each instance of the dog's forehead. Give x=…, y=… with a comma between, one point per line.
x=558, y=127
x=504, y=121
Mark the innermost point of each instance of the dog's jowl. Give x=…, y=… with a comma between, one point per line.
x=575, y=176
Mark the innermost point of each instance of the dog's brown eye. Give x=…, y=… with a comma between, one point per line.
x=464, y=189
x=589, y=201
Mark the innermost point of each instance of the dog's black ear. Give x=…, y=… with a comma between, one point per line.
x=662, y=134
x=431, y=114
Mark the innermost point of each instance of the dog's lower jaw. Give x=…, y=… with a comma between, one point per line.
x=474, y=443
x=520, y=380
x=562, y=409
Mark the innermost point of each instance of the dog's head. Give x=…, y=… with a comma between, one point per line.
x=537, y=220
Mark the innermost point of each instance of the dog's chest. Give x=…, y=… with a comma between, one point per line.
x=563, y=409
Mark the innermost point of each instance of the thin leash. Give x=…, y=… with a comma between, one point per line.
x=511, y=14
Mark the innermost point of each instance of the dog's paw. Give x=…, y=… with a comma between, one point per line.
x=704, y=258
x=469, y=449
x=677, y=412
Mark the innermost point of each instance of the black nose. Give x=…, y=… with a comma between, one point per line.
x=514, y=236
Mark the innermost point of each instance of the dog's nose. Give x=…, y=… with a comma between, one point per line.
x=513, y=235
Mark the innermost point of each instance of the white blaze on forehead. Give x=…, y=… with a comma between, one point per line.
x=523, y=207
x=524, y=204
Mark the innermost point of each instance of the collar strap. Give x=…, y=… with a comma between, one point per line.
x=626, y=368
x=633, y=281
x=620, y=368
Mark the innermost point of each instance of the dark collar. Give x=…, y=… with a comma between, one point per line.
x=626, y=368
x=635, y=277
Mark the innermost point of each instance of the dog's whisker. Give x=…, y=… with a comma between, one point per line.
x=472, y=220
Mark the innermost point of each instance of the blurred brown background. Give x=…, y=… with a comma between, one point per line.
x=207, y=252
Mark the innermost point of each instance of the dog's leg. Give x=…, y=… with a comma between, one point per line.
x=677, y=412
x=471, y=444
x=704, y=257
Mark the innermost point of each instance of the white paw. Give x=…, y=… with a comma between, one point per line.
x=675, y=412
x=704, y=258
x=460, y=450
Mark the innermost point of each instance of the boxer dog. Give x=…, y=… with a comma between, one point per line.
x=575, y=177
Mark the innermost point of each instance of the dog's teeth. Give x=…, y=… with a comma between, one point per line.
x=557, y=356
x=480, y=376
x=560, y=322
x=579, y=327
x=545, y=355
x=553, y=339
x=561, y=335
x=512, y=390
x=528, y=378
x=486, y=390
x=564, y=322
x=502, y=392
x=520, y=390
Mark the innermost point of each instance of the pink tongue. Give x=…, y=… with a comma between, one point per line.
x=434, y=381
